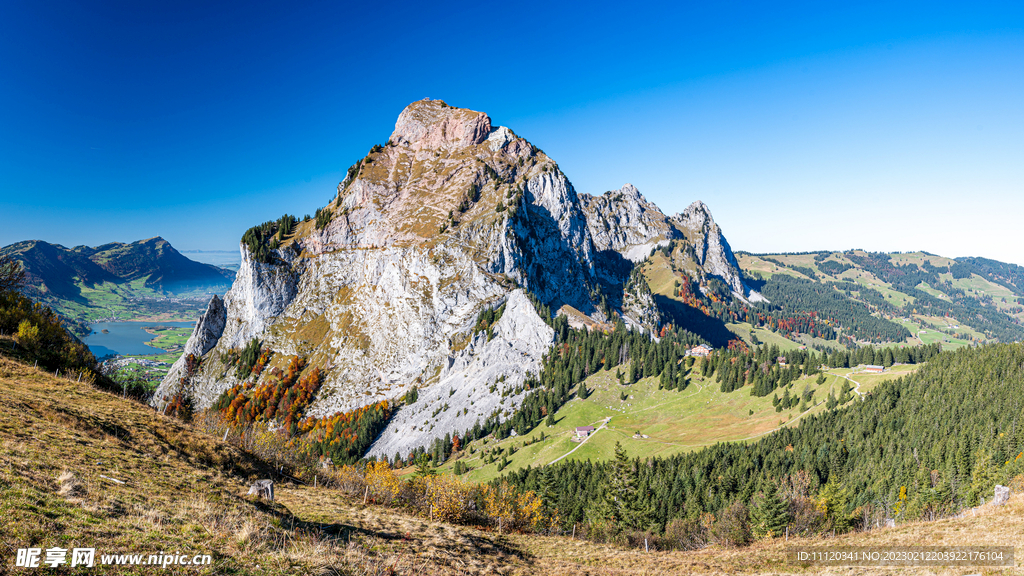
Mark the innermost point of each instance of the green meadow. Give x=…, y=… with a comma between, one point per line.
x=652, y=421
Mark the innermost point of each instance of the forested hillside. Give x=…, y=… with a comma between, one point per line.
x=916, y=298
x=921, y=446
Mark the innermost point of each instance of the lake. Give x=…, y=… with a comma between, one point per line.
x=125, y=338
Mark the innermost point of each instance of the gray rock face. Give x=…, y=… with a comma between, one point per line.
x=260, y=294
x=713, y=252
x=624, y=221
x=1002, y=495
x=550, y=251
x=262, y=489
x=638, y=307
x=205, y=335
x=440, y=126
x=477, y=383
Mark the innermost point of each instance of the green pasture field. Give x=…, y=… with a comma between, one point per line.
x=673, y=421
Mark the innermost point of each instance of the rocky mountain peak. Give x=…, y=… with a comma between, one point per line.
x=625, y=222
x=712, y=250
x=630, y=191
x=696, y=216
x=433, y=124
x=382, y=292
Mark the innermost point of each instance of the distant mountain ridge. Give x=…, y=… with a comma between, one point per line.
x=54, y=270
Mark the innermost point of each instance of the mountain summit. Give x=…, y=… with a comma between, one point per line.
x=382, y=291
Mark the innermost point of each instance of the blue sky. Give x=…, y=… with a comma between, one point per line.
x=803, y=127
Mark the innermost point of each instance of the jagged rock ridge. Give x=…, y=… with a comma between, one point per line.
x=449, y=217
x=713, y=254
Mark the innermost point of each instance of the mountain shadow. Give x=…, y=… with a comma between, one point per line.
x=711, y=329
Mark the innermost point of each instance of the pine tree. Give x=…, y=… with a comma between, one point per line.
x=547, y=488
x=423, y=467
x=983, y=477
x=768, y=515
x=622, y=499
x=831, y=402
x=832, y=502
x=583, y=392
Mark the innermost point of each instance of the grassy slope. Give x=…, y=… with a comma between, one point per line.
x=184, y=492
x=674, y=421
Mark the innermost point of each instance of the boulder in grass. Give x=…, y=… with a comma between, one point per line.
x=1002, y=495
x=263, y=489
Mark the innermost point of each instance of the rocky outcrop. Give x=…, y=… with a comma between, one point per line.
x=713, y=254
x=624, y=221
x=440, y=126
x=1002, y=495
x=552, y=254
x=450, y=217
x=205, y=335
x=486, y=377
x=260, y=294
x=638, y=306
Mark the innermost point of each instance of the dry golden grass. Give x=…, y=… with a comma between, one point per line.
x=985, y=526
x=184, y=492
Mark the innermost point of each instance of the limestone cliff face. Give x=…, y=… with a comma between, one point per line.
x=207, y=332
x=381, y=292
x=481, y=379
x=449, y=217
x=624, y=221
x=712, y=252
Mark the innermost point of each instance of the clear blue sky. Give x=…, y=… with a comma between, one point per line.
x=802, y=126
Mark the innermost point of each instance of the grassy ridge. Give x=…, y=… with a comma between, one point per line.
x=184, y=492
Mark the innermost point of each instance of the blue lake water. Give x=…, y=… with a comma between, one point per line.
x=125, y=338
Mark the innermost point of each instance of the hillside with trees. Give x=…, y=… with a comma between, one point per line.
x=924, y=446
x=876, y=297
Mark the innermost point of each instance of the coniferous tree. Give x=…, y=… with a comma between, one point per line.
x=622, y=501
x=769, y=515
